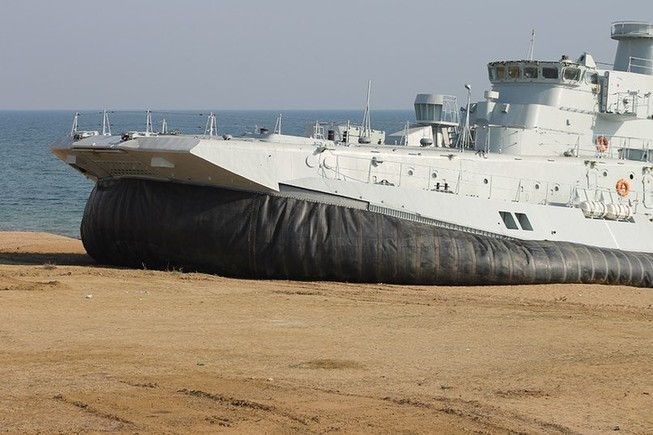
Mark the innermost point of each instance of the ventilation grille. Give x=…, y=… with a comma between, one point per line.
x=434, y=222
x=126, y=169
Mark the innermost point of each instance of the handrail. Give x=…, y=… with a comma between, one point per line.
x=631, y=28
x=646, y=65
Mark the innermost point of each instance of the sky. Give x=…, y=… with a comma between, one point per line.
x=280, y=54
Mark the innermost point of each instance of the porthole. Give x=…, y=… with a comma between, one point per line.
x=485, y=181
x=537, y=186
x=631, y=176
x=434, y=174
x=605, y=173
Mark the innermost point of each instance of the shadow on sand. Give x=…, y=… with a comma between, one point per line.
x=39, y=258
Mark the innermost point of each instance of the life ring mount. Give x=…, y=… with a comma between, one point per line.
x=623, y=187
x=602, y=143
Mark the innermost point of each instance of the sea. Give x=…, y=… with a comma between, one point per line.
x=39, y=192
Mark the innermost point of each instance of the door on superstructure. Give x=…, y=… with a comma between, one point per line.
x=647, y=188
x=592, y=177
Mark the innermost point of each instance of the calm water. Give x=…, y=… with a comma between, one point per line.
x=38, y=192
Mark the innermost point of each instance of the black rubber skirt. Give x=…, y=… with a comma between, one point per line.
x=158, y=225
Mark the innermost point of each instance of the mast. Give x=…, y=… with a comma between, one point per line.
x=367, y=128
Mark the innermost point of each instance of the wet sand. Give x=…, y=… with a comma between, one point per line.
x=86, y=348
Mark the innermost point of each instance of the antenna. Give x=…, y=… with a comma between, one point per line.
x=277, y=125
x=148, y=122
x=404, y=136
x=465, y=136
x=211, y=127
x=106, y=125
x=73, y=130
x=531, y=46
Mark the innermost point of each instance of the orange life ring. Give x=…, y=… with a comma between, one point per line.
x=622, y=187
x=602, y=144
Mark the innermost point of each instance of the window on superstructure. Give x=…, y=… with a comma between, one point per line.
x=492, y=73
x=549, y=72
x=524, y=222
x=508, y=220
x=514, y=72
x=530, y=72
x=571, y=73
x=499, y=72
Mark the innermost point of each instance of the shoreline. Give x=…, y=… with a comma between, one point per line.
x=93, y=348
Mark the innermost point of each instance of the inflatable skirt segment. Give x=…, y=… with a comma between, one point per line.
x=161, y=225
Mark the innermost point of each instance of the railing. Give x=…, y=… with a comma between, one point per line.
x=631, y=28
x=626, y=147
x=640, y=65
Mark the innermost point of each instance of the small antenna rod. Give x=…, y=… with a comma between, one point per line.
x=106, y=124
x=531, y=46
x=367, y=128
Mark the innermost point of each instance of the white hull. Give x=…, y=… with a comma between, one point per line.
x=410, y=182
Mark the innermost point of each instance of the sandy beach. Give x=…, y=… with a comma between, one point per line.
x=87, y=349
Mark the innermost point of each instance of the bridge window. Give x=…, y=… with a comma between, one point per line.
x=530, y=72
x=549, y=72
x=572, y=74
x=514, y=72
x=497, y=73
